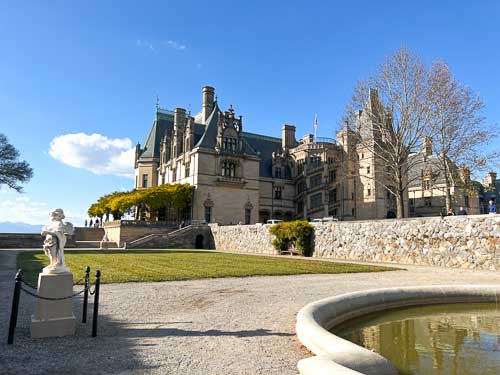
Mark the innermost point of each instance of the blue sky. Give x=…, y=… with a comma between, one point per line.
x=95, y=67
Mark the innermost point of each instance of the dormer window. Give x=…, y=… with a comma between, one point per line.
x=277, y=172
x=229, y=144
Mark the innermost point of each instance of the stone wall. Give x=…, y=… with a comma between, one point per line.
x=27, y=241
x=458, y=241
x=88, y=234
x=243, y=238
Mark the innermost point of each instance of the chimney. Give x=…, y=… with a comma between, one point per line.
x=178, y=133
x=490, y=179
x=288, y=136
x=427, y=146
x=179, y=118
x=208, y=99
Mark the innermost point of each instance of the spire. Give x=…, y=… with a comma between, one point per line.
x=157, y=103
x=315, y=125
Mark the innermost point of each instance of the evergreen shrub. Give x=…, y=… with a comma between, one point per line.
x=293, y=233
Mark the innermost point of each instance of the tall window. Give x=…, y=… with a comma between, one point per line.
x=228, y=169
x=367, y=170
x=301, y=187
x=316, y=180
x=229, y=144
x=332, y=195
x=144, y=180
x=332, y=176
x=426, y=184
x=316, y=200
x=300, y=207
x=248, y=215
x=208, y=214
x=277, y=172
x=277, y=192
x=466, y=200
x=174, y=175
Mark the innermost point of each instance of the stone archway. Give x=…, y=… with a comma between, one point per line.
x=198, y=242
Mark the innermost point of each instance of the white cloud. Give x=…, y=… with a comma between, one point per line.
x=154, y=46
x=18, y=208
x=22, y=209
x=96, y=153
x=173, y=44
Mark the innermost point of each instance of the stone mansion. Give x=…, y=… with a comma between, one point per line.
x=242, y=177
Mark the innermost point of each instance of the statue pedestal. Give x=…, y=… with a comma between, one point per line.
x=54, y=318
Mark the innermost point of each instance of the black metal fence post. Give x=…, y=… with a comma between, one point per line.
x=15, y=306
x=86, y=295
x=96, y=302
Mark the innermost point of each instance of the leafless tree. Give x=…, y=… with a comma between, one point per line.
x=456, y=126
x=393, y=104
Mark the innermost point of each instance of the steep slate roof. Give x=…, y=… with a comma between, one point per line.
x=206, y=137
x=421, y=163
x=164, y=122
x=265, y=146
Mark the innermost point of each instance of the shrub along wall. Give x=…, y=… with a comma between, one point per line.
x=457, y=241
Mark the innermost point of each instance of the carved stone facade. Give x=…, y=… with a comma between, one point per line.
x=242, y=177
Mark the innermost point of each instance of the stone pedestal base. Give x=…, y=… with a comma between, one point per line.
x=54, y=318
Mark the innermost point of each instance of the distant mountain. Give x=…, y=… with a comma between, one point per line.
x=8, y=227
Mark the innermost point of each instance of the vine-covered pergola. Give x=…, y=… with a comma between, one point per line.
x=164, y=202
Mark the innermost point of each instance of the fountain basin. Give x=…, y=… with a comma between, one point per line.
x=335, y=355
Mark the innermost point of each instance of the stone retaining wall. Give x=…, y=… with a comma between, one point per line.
x=457, y=241
x=27, y=241
x=243, y=238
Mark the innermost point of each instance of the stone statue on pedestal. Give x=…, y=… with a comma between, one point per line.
x=55, y=239
x=53, y=316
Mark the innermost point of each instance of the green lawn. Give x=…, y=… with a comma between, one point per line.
x=120, y=266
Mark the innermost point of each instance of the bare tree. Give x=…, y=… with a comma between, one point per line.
x=393, y=104
x=456, y=126
x=12, y=171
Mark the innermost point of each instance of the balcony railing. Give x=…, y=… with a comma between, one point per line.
x=230, y=179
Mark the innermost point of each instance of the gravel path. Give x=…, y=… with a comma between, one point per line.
x=206, y=327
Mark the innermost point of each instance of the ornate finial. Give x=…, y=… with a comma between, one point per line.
x=231, y=108
x=157, y=103
x=216, y=97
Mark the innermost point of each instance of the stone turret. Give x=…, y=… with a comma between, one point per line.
x=427, y=146
x=208, y=100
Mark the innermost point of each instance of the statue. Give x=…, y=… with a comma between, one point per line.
x=55, y=240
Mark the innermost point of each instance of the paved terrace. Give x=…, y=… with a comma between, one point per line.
x=206, y=327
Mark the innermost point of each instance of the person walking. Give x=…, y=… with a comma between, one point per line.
x=90, y=224
x=462, y=211
x=85, y=223
x=492, y=207
x=97, y=223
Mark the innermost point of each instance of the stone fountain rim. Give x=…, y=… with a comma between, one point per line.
x=335, y=355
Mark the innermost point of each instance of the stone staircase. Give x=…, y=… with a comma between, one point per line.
x=94, y=245
x=190, y=237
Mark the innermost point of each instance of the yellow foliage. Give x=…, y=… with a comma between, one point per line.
x=175, y=195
